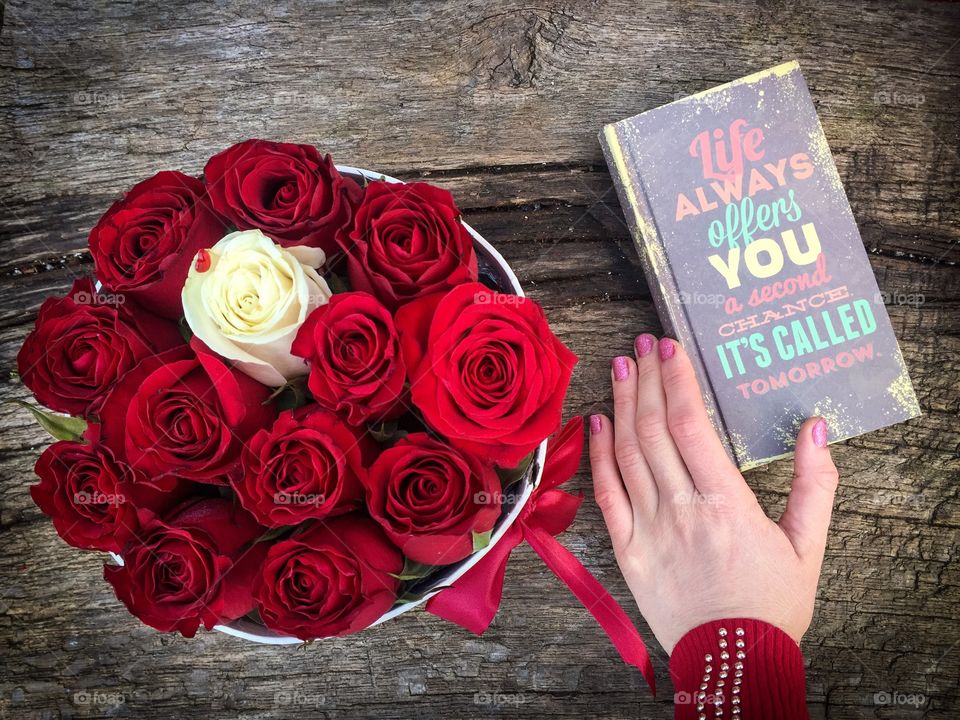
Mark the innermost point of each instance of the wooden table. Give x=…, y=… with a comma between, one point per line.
x=500, y=103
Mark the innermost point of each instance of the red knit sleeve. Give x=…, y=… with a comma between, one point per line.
x=738, y=670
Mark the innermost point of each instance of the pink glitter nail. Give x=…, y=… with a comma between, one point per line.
x=596, y=424
x=644, y=344
x=621, y=368
x=820, y=433
x=666, y=349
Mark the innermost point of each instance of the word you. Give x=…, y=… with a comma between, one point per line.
x=764, y=257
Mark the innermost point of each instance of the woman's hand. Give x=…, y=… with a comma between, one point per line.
x=689, y=535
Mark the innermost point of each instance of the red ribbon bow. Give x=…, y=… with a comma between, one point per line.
x=473, y=600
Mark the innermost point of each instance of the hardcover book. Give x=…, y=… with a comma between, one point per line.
x=756, y=265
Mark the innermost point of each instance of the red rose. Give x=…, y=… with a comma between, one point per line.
x=352, y=347
x=185, y=414
x=288, y=191
x=85, y=491
x=143, y=245
x=486, y=371
x=83, y=343
x=193, y=567
x=407, y=241
x=309, y=465
x=93, y=498
x=335, y=578
x=431, y=499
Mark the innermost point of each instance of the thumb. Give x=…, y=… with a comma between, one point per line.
x=807, y=517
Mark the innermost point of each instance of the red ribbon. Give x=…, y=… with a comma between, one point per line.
x=473, y=600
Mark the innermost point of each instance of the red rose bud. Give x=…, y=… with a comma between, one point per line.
x=203, y=261
x=83, y=343
x=430, y=499
x=186, y=415
x=290, y=192
x=336, y=578
x=308, y=466
x=486, y=371
x=407, y=241
x=352, y=348
x=142, y=247
x=192, y=567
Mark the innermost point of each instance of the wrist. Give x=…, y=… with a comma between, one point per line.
x=738, y=668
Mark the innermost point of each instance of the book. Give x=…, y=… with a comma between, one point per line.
x=756, y=266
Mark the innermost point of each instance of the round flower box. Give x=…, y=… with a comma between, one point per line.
x=295, y=401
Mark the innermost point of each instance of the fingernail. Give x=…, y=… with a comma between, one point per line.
x=820, y=433
x=595, y=424
x=644, y=344
x=666, y=349
x=621, y=369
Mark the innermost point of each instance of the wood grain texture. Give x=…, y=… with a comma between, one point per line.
x=500, y=102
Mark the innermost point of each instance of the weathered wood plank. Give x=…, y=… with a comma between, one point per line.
x=492, y=86
x=55, y=227
x=549, y=244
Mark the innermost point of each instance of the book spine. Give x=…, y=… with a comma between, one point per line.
x=656, y=268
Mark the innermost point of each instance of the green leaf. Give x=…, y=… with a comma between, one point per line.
x=337, y=284
x=289, y=396
x=481, y=540
x=293, y=398
x=272, y=534
x=274, y=395
x=508, y=476
x=185, y=332
x=386, y=431
x=408, y=598
x=414, y=570
x=62, y=427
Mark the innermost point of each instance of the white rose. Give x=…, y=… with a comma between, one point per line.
x=248, y=299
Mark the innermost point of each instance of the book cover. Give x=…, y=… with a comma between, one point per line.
x=756, y=265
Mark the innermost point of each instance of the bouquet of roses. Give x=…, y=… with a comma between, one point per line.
x=286, y=396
